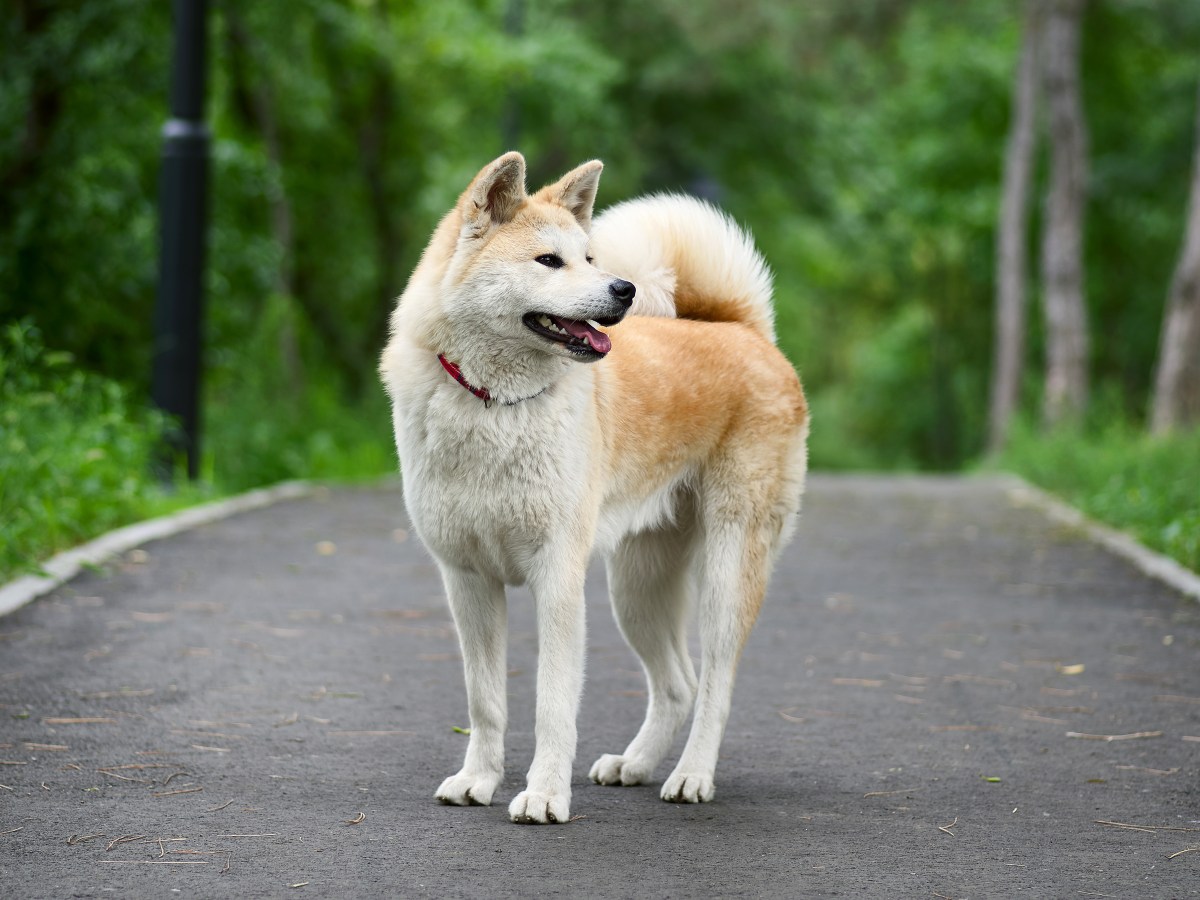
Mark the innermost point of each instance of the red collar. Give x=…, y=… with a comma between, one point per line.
x=482, y=393
x=457, y=375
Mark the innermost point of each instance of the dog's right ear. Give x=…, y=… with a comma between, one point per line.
x=495, y=195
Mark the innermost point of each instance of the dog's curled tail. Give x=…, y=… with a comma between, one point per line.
x=688, y=260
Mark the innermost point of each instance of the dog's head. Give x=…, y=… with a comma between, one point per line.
x=521, y=273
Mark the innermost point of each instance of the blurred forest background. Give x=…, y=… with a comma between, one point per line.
x=862, y=141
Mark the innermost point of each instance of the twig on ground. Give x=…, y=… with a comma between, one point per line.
x=1149, y=771
x=191, y=790
x=123, y=777
x=219, y=808
x=81, y=838
x=135, y=766
x=161, y=841
x=889, y=793
x=123, y=839
x=946, y=828
x=1150, y=828
x=1115, y=737
x=357, y=820
x=14, y=830
x=1183, y=851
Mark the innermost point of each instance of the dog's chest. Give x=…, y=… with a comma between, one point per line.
x=489, y=489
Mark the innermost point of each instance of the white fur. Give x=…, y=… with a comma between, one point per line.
x=652, y=241
x=510, y=494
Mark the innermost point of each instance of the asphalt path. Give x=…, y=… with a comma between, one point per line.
x=947, y=696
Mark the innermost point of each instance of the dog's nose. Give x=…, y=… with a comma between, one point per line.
x=623, y=290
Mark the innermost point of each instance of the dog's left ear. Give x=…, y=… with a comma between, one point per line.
x=495, y=195
x=576, y=191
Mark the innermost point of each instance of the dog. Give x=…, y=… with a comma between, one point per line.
x=562, y=389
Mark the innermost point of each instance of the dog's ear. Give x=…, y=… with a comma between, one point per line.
x=576, y=191
x=496, y=193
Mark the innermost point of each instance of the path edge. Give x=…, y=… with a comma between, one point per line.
x=64, y=566
x=1149, y=562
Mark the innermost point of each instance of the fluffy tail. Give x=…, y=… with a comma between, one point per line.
x=688, y=259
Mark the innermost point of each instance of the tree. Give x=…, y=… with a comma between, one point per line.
x=1012, y=236
x=1176, y=399
x=1066, y=387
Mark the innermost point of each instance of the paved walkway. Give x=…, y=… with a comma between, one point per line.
x=267, y=703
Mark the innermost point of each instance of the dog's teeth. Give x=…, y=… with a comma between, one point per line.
x=593, y=323
x=545, y=322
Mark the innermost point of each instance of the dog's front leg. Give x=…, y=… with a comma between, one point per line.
x=560, y=621
x=479, y=610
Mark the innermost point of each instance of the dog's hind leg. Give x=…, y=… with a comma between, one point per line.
x=479, y=610
x=648, y=576
x=738, y=546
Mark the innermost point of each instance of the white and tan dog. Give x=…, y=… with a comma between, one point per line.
x=678, y=455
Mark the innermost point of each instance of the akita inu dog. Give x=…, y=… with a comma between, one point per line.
x=529, y=439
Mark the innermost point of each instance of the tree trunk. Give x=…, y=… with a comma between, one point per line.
x=1012, y=239
x=1066, y=387
x=42, y=114
x=1176, y=399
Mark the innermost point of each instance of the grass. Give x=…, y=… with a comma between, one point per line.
x=75, y=455
x=76, y=449
x=1147, y=486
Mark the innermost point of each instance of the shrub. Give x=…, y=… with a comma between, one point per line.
x=75, y=453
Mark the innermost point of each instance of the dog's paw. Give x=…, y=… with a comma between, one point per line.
x=614, y=769
x=537, y=808
x=468, y=789
x=688, y=787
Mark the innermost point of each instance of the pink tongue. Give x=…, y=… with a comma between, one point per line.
x=597, y=340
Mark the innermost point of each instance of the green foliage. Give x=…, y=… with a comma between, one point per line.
x=81, y=107
x=75, y=453
x=860, y=141
x=270, y=422
x=1123, y=477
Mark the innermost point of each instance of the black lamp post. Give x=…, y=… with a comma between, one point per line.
x=179, y=313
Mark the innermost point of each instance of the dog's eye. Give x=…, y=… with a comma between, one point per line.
x=590, y=261
x=550, y=260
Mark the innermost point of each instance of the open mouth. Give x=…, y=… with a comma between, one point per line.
x=581, y=336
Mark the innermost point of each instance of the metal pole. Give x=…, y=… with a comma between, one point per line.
x=179, y=313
